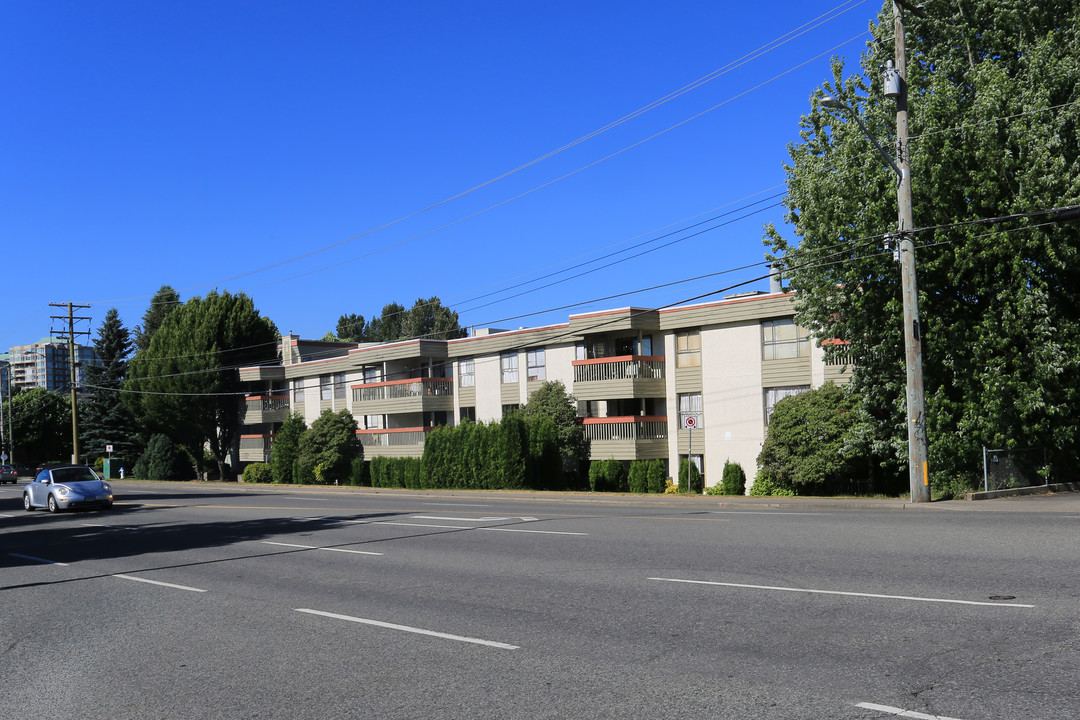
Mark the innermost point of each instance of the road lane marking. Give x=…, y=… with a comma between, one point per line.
x=2, y=515
x=405, y=524
x=765, y=512
x=841, y=592
x=438, y=517
x=37, y=559
x=535, y=532
x=406, y=628
x=455, y=504
x=158, y=582
x=316, y=547
x=900, y=712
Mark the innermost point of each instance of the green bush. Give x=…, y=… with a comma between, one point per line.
x=639, y=476
x=733, y=481
x=258, y=472
x=656, y=477
x=358, y=473
x=302, y=474
x=163, y=461
x=764, y=487
x=688, y=472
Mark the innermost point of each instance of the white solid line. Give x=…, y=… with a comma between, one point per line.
x=841, y=592
x=1, y=515
x=316, y=547
x=455, y=504
x=406, y=628
x=37, y=559
x=405, y=524
x=156, y=582
x=436, y=517
x=765, y=512
x=900, y=712
x=536, y=532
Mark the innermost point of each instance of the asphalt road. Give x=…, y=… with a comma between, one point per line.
x=218, y=601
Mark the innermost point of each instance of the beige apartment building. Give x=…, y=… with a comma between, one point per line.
x=648, y=383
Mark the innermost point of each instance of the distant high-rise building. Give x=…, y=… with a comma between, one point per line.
x=46, y=364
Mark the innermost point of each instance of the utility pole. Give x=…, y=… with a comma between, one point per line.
x=71, y=362
x=918, y=462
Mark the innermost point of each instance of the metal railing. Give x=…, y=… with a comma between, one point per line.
x=397, y=437
x=398, y=389
x=625, y=428
x=625, y=367
x=266, y=403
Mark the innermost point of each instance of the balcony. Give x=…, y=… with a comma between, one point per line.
x=255, y=448
x=404, y=396
x=396, y=442
x=265, y=409
x=625, y=376
x=628, y=437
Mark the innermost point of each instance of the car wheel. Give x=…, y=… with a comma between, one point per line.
x=26, y=502
x=53, y=507
x=107, y=506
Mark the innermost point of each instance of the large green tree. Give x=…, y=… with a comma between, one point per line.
x=994, y=108
x=164, y=301
x=552, y=401
x=104, y=418
x=327, y=449
x=186, y=384
x=41, y=424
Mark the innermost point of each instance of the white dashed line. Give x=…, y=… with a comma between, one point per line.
x=841, y=592
x=37, y=559
x=900, y=712
x=156, y=582
x=406, y=628
x=316, y=547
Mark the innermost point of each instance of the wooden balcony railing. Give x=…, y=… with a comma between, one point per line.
x=398, y=389
x=623, y=367
x=395, y=437
x=628, y=427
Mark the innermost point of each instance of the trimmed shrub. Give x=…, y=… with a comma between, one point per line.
x=734, y=479
x=764, y=487
x=258, y=472
x=163, y=461
x=656, y=476
x=688, y=473
x=358, y=473
x=639, y=476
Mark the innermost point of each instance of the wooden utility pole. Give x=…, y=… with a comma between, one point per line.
x=71, y=362
x=918, y=463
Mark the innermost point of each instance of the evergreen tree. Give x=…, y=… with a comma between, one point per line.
x=328, y=447
x=286, y=449
x=104, y=418
x=993, y=89
x=164, y=301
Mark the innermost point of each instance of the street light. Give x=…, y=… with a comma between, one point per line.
x=896, y=87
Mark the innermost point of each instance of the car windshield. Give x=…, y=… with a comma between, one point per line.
x=76, y=474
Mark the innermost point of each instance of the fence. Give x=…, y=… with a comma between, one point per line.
x=1016, y=468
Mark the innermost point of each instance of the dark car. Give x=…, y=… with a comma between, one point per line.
x=8, y=474
x=67, y=487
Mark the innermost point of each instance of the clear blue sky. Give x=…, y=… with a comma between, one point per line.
x=198, y=143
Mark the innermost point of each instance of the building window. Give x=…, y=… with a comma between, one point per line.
x=537, y=369
x=690, y=405
x=774, y=395
x=326, y=387
x=339, y=386
x=298, y=391
x=783, y=339
x=371, y=422
x=467, y=413
x=688, y=349
x=508, y=362
x=467, y=370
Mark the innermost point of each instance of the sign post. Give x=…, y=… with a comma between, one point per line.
x=690, y=422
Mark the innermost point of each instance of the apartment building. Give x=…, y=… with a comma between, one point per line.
x=699, y=379
x=47, y=364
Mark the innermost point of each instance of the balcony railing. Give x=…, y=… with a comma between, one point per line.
x=623, y=367
x=395, y=437
x=266, y=403
x=255, y=448
x=399, y=389
x=628, y=427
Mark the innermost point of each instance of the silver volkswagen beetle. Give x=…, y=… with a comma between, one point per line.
x=67, y=487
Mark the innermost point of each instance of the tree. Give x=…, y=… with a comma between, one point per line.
x=805, y=446
x=185, y=383
x=164, y=301
x=41, y=424
x=328, y=447
x=551, y=400
x=104, y=418
x=993, y=90
x=163, y=460
x=427, y=319
x=286, y=448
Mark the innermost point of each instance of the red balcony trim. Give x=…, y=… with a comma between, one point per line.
x=624, y=419
x=617, y=358
x=394, y=430
x=267, y=397
x=252, y=437
x=399, y=382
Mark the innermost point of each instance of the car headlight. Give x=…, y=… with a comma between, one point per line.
x=62, y=490
x=106, y=488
